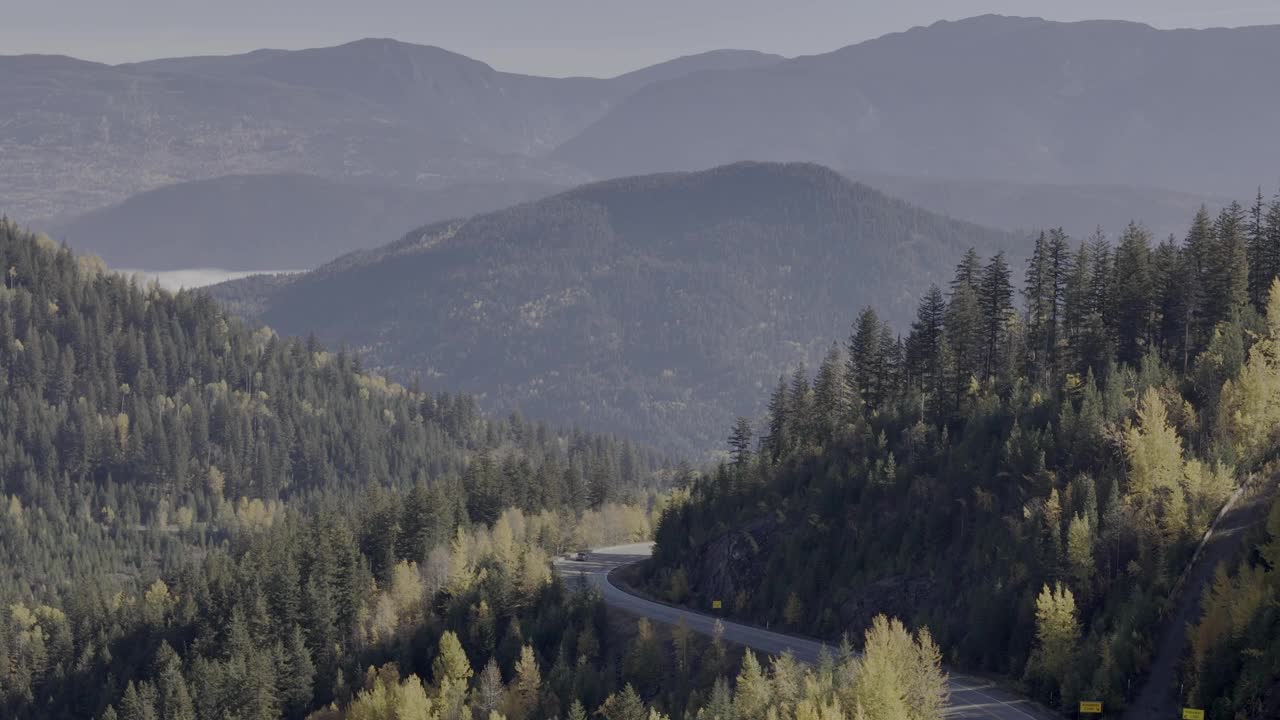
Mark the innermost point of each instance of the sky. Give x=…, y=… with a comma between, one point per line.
x=542, y=37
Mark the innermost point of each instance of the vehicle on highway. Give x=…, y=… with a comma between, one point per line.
x=580, y=556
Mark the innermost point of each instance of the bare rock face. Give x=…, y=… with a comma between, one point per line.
x=736, y=561
x=899, y=595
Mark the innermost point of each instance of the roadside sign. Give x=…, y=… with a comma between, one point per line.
x=716, y=604
x=1192, y=714
x=1091, y=708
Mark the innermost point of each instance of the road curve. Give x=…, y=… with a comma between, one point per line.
x=971, y=697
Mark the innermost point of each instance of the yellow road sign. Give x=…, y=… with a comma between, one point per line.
x=1094, y=708
x=716, y=604
x=1192, y=714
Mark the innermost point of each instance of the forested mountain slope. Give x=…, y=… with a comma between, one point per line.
x=201, y=522
x=136, y=421
x=1027, y=483
x=270, y=222
x=642, y=305
x=1004, y=98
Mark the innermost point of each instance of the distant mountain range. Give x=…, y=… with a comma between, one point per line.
x=642, y=305
x=77, y=136
x=271, y=222
x=1014, y=99
x=957, y=117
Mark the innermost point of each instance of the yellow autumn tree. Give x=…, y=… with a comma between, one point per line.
x=1155, y=496
x=1057, y=633
x=1249, y=411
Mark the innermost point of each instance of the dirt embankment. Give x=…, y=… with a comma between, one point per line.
x=1160, y=695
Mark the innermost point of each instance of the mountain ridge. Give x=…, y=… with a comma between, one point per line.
x=925, y=101
x=269, y=221
x=80, y=136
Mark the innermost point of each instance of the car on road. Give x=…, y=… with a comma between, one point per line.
x=580, y=556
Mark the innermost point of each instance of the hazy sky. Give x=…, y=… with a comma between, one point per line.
x=548, y=37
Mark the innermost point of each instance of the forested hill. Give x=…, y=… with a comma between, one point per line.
x=135, y=422
x=650, y=306
x=1029, y=483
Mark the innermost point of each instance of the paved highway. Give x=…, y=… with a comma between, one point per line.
x=971, y=697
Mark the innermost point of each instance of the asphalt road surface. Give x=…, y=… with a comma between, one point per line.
x=971, y=697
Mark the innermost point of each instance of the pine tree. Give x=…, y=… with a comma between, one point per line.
x=740, y=442
x=927, y=692
x=1132, y=302
x=778, y=441
x=526, y=688
x=1059, y=269
x=752, y=693
x=1080, y=551
x=1271, y=251
x=1200, y=248
x=644, y=660
x=1076, y=309
x=417, y=525
x=1227, y=290
x=924, y=356
x=720, y=705
x=296, y=678
x=866, y=364
x=891, y=365
x=1175, y=298
x=830, y=394
x=600, y=485
x=800, y=403
x=1038, y=297
x=138, y=702
x=1260, y=268
x=450, y=671
x=173, y=700
x=964, y=336
x=968, y=272
x=995, y=300
x=1097, y=345
x=625, y=705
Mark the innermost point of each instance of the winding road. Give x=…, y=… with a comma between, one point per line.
x=971, y=697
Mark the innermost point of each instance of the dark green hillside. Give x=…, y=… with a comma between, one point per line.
x=136, y=424
x=1028, y=483
x=642, y=305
